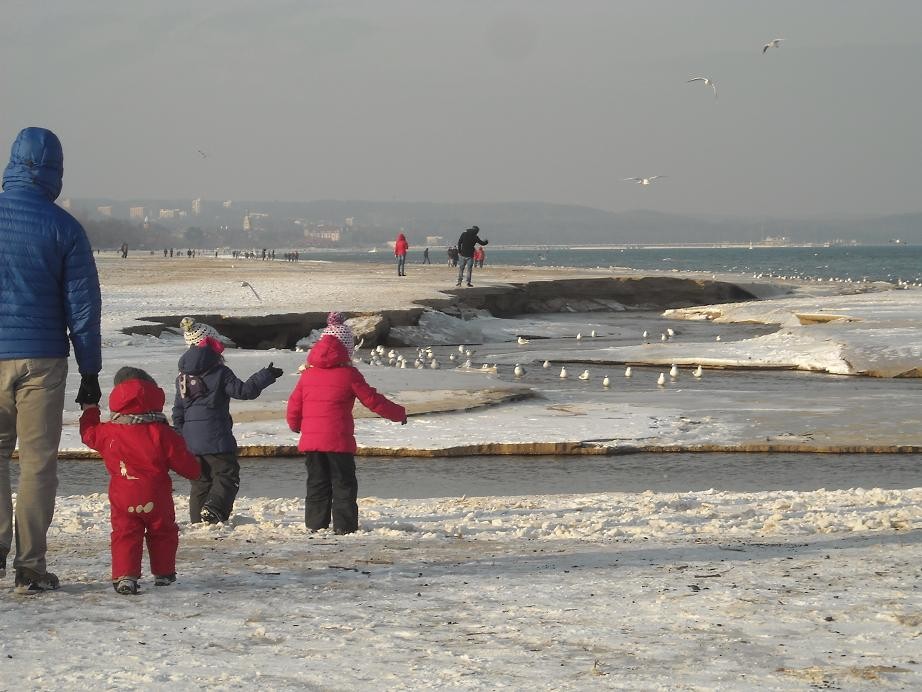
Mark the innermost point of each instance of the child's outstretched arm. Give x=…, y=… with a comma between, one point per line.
x=294, y=408
x=180, y=459
x=376, y=402
x=89, y=427
x=253, y=387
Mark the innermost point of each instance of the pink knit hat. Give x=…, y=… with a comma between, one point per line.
x=336, y=326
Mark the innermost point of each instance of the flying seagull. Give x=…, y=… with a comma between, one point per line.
x=707, y=82
x=644, y=181
x=774, y=43
x=202, y=153
x=246, y=284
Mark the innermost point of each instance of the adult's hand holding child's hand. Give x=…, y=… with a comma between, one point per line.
x=89, y=392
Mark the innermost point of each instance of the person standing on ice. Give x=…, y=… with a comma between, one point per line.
x=49, y=289
x=201, y=414
x=466, y=243
x=320, y=409
x=139, y=449
x=400, y=252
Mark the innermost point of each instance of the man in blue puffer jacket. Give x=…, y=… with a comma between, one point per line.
x=49, y=290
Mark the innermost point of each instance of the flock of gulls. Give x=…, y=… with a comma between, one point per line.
x=708, y=82
x=425, y=358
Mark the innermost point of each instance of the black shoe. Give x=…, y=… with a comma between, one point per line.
x=126, y=586
x=29, y=582
x=164, y=579
x=209, y=516
x=458, y=284
x=470, y=285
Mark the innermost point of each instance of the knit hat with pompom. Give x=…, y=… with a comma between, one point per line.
x=195, y=333
x=336, y=325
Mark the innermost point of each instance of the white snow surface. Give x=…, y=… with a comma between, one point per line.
x=703, y=590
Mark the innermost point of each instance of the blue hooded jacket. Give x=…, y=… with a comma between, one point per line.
x=48, y=280
x=204, y=420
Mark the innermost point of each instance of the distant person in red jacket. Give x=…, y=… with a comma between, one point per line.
x=320, y=408
x=400, y=252
x=139, y=449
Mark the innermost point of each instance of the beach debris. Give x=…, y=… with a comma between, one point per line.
x=247, y=284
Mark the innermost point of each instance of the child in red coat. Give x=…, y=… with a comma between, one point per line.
x=320, y=408
x=139, y=448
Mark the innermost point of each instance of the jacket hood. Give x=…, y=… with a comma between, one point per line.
x=329, y=352
x=136, y=396
x=36, y=162
x=401, y=236
x=198, y=360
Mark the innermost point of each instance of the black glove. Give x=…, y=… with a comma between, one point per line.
x=89, y=390
x=404, y=421
x=274, y=371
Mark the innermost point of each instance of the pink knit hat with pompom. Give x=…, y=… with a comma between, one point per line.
x=336, y=326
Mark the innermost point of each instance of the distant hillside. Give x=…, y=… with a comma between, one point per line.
x=526, y=223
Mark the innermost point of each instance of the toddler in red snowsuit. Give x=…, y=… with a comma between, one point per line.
x=139, y=448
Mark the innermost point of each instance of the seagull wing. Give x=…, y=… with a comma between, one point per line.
x=766, y=47
x=654, y=177
x=699, y=79
x=634, y=180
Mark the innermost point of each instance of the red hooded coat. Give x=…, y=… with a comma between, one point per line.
x=320, y=407
x=138, y=457
x=401, y=246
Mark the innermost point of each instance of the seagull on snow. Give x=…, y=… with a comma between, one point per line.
x=522, y=341
x=707, y=82
x=774, y=43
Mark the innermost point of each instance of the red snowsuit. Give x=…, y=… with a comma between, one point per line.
x=320, y=407
x=138, y=457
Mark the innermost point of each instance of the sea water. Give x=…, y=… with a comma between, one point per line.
x=873, y=263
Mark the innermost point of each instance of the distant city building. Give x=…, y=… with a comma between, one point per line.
x=197, y=206
x=255, y=221
x=350, y=221
x=228, y=203
x=168, y=213
x=324, y=234
x=105, y=210
x=435, y=240
x=136, y=213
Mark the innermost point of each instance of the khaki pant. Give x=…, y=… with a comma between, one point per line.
x=31, y=409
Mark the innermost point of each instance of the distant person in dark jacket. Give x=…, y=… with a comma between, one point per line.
x=426, y=259
x=466, y=243
x=201, y=414
x=49, y=290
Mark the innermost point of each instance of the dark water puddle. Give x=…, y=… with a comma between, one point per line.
x=511, y=475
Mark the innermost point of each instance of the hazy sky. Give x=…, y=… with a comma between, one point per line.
x=502, y=100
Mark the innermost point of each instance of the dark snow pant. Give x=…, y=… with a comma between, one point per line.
x=218, y=486
x=332, y=489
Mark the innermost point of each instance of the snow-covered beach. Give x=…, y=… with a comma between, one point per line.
x=697, y=590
